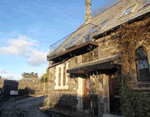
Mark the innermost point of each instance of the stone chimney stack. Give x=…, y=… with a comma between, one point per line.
x=88, y=11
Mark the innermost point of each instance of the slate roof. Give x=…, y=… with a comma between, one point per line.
x=105, y=21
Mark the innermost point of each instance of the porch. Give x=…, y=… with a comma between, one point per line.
x=97, y=78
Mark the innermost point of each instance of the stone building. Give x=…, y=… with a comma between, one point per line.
x=87, y=61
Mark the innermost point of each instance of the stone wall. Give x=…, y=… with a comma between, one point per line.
x=25, y=84
x=64, y=97
x=107, y=47
x=34, y=87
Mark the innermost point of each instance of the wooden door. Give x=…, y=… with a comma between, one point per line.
x=86, y=97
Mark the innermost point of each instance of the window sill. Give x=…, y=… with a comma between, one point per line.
x=60, y=90
x=61, y=87
x=142, y=86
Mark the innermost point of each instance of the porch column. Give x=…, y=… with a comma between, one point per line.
x=80, y=93
x=106, y=93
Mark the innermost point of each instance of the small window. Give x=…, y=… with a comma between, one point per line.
x=142, y=64
x=129, y=10
x=147, y=3
x=87, y=37
x=93, y=30
x=103, y=23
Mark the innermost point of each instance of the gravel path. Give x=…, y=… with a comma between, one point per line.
x=27, y=107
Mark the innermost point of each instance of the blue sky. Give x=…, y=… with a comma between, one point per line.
x=28, y=28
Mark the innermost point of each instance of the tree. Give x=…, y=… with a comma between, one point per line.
x=45, y=77
x=29, y=75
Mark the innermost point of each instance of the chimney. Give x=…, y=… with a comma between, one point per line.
x=88, y=11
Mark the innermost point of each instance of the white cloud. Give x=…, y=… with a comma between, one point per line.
x=27, y=48
x=2, y=71
x=37, y=57
x=4, y=74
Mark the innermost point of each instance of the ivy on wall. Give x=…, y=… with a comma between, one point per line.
x=133, y=103
x=129, y=38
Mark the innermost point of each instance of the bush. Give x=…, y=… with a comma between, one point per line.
x=45, y=77
x=133, y=104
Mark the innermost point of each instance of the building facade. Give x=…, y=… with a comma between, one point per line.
x=86, y=65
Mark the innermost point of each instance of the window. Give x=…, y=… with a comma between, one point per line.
x=129, y=10
x=142, y=64
x=93, y=30
x=147, y=3
x=64, y=76
x=103, y=23
x=61, y=76
x=87, y=37
x=59, y=81
x=71, y=41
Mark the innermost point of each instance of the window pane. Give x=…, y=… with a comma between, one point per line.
x=127, y=11
x=142, y=64
x=64, y=76
x=103, y=23
x=71, y=42
x=59, y=79
x=93, y=30
x=141, y=53
x=87, y=37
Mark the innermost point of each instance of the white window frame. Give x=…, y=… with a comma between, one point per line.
x=126, y=13
x=57, y=77
x=132, y=10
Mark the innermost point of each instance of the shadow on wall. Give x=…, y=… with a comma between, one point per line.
x=67, y=104
x=9, y=85
x=26, y=91
x=10, y=88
